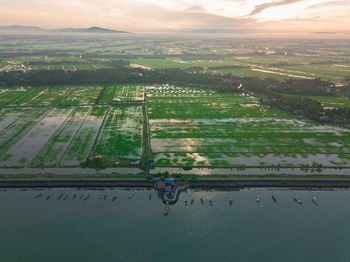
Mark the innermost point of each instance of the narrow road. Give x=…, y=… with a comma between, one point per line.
x=145, y=114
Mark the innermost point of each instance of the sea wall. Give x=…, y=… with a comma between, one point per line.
x=229, y=183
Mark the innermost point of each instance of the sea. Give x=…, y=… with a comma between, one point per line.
x=68, y=224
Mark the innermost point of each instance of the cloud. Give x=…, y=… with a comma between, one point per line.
x=331, y=4
x=259, y=8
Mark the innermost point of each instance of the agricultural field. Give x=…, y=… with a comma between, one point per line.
x=23, y=152
x=121, y=134
x=233, y=130
x=67, y=136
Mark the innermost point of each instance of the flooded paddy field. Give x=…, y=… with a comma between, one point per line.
x=67, y=136
x=235, y=130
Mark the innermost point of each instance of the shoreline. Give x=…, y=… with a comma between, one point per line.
x=208, y=183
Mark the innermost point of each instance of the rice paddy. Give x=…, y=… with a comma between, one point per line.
x=235, y=130
x=64, y=127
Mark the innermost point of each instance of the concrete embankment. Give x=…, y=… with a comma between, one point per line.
x=229, y=183
x=88, y=183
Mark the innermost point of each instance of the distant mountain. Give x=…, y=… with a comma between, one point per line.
x=20, y=28
x=35, y=29
x=90, y=30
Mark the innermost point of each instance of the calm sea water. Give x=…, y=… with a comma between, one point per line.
x=136, y=230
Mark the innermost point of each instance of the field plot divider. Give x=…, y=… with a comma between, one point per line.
x=146, y=137
x=99, y=131
x=73, y=136
x=29, y=129
x=53, y=135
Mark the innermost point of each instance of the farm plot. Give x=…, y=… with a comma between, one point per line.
x=9, y=96
x=108, y=95
x=24, y=151
x=28, y=117
x=85, y=95
x=49, y=97
x=175, y=91
x=8, y=117
x=84, y=140
x=121, y=94
x=232, y=130
x=135, y=93
x=53, y=151
x=121, y=136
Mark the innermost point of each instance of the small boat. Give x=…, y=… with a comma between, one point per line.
x=65, y=197
x=81, y=197
x=48, y=197
x=74, y=196
x=104, y=197
x=37, y=196
x=60, y=196
x=231, y=201
x=149, y=196
x=192, y=201
x=274, y=198
x=314, y=200
x=86, y=198
x=258, y=198
x=114, y=198
x=296, y=199
x=166, y=209
x=211, y=203
x=186, y=204
x=202, y=201
x=131, y=195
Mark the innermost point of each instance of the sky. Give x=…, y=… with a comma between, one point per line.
x=181, y=15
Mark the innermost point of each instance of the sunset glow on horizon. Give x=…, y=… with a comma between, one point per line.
x=181, y=15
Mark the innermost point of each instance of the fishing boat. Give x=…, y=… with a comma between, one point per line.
x=81, y=197
x=60, y=196
x=186, y=204
x=231, y=201
x=114, y=198
x=211, y=203
x=296, y=199
x=74, y=196
x=38, y=196
x=48, y=197
x=149, y=196
x=202, y=201
x=192, y=201
x=166, y=209
x=104, y=197
x=65, y=197
x=131, y=195
x=314, y=200
x=258, y=198
x=86, y=198
x=274, y=198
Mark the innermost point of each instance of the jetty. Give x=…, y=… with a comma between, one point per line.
x=170, y=189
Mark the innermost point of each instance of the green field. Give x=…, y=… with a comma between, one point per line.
x=233, y=130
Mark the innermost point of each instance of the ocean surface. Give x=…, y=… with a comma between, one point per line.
x=67, y=229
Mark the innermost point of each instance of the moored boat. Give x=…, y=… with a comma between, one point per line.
x=314, y=200
x=274, y=198
x=296, y=199
x=258, y=198
x=38, y=196
x=202, y=201
x=231, y=201
x=131, y=195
